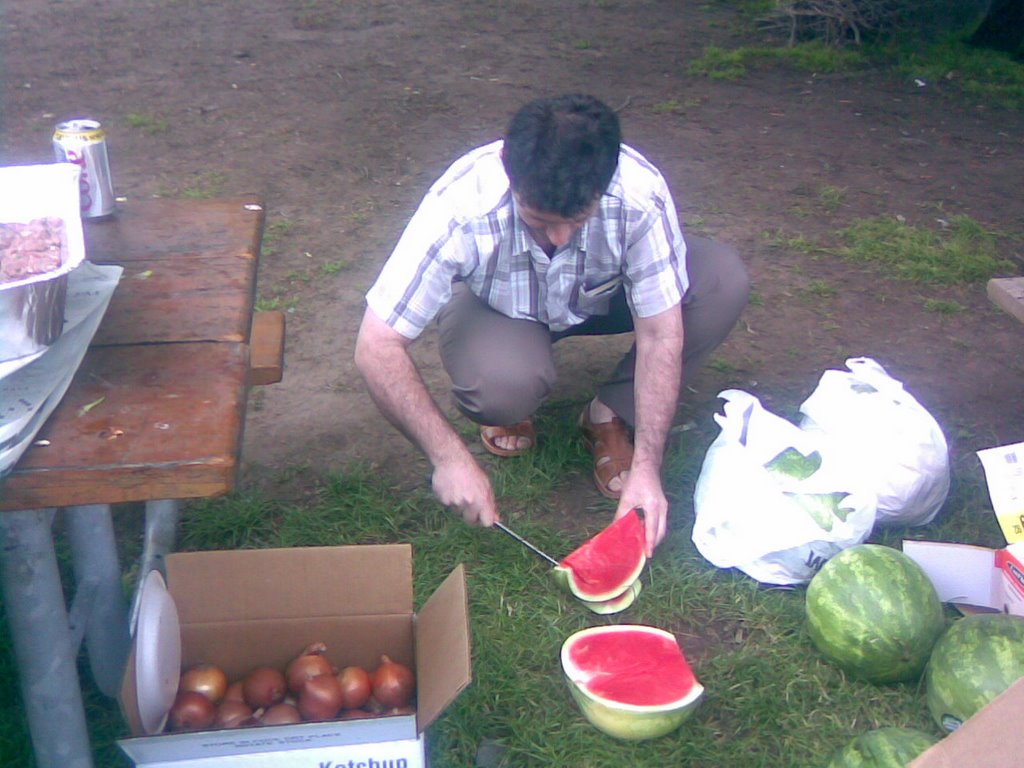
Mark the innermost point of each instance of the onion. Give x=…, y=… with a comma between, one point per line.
x=393, y=684
x=205, y=679
x=191, y=711
x=320, y=698
x=355, y=714
x=264, y=687
x=235, y=692
x=281, y=714
x=355, y=687
x=232, y=714
x=310, y=663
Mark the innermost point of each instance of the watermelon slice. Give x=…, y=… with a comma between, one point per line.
x=616, y=604
x=606, y=566
x=630, y=681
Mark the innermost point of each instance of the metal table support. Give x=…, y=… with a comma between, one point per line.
x=158, y=542
x=34, y=601
x=98, y=617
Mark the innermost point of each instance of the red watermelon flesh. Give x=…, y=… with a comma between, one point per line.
x=608, y=563
x=632, y=666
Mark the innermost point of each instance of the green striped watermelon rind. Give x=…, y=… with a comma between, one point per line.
x=631, y=722
x=977, y=658
x=617, y=604
x=883, y=748
x=873, y=611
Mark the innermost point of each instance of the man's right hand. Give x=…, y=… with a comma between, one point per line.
x=462, y=484
x=399, y=392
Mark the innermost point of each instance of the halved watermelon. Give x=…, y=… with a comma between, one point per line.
x=630, y=681
x=606, y=566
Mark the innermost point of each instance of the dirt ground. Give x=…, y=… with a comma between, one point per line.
x=342, y=113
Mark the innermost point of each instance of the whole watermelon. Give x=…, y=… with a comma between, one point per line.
x=883, y=748
x=977, y=658
x=872, y=611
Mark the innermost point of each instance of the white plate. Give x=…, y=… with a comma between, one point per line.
x=157, y=653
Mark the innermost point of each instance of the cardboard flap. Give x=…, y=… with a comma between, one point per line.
x=993, y=737
x=961, y=573
x=303, y=582
x=443, y=658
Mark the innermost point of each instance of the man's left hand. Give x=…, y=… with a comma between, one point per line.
x=643, y=489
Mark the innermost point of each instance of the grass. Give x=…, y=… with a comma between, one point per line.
x=943, y=306
x=206, y=186
x=147, y=123
x=263, y=304
x=274, y=232
x=959, y=251
x=962, y=252
x=991, y=76
x=212, y=184
x=771, y=698
x=721, y=64
x=831, y=197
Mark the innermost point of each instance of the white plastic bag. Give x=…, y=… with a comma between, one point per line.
x=885, y=436
x=776, y=527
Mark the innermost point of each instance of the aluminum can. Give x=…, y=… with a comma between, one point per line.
x=84, y=143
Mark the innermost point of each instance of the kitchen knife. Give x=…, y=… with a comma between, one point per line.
x=505, y=529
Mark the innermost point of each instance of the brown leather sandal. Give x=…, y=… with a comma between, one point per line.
x=521, y=430
x=612, y=448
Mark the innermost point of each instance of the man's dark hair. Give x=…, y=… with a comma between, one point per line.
x=560, y=153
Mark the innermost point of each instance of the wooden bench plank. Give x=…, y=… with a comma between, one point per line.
x=266, y=348
x=1007, y=293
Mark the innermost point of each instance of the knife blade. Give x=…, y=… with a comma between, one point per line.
x=505, y=529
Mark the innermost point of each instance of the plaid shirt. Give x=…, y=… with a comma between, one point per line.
x=467, y=229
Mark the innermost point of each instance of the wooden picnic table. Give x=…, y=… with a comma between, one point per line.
x=154, y=414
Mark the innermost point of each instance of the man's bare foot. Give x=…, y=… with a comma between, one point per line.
x=511, y=440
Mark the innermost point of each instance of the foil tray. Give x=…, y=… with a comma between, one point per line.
x=32, y=309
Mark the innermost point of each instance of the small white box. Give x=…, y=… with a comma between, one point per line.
x=1004, y=473
x=978, y=577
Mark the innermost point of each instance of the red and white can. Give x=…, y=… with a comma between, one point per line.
x=84, y=143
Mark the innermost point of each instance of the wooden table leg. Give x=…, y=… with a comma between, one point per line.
x=43, y=646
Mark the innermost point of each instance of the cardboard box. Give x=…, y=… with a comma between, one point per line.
x=972, y=577
x=992, y=738
x=245, y=608
x=978, y=579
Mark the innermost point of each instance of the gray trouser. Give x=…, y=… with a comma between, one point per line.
x=503, y=369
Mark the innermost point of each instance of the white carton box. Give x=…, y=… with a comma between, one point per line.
x=971, y=576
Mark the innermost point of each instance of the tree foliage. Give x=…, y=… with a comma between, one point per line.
x=1002, y=28
x=842, y=22
x=835, y=22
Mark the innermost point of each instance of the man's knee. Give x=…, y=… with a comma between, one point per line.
x=717, y=274
x=735, y=280
x=503, y=396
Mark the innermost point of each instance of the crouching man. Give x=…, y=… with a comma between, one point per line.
x=559, y=229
